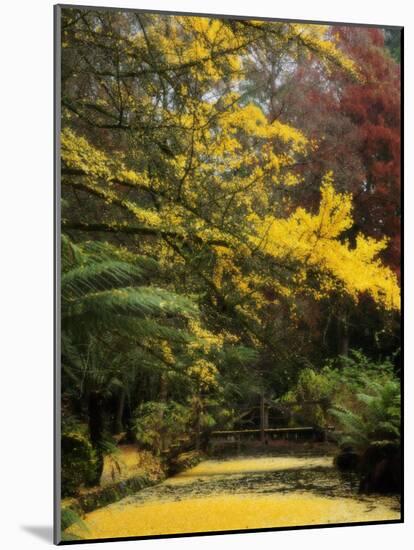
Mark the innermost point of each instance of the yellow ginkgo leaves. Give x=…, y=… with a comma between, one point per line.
x=313, y=241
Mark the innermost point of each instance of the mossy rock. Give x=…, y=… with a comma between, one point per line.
x=79, y=462
x=102, y=496
x=348, y=460
x=184, y=461
x=381, y=468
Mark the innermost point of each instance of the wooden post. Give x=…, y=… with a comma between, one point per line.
x=266, y=417
x=262, y=417
x=198, y=430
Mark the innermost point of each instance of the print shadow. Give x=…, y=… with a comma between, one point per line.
x=43, y=532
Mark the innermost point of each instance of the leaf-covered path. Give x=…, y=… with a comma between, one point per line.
x=241, y=493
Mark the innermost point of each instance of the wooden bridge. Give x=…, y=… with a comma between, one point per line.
x=265, y=434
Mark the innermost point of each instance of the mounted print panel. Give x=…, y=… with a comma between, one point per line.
x=228, y=223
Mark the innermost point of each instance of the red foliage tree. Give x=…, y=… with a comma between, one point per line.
x=356, y=125
x=373, y=105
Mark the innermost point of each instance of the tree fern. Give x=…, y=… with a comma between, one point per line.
x=378, y=421
x=114, y=323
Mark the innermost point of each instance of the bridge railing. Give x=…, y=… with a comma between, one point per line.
x=236, y=437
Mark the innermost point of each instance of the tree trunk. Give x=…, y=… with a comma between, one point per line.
x=118, y=424
x=198, y=413
x=163, y=399
x=343, y=335
x=262, y=418
x=96, y=429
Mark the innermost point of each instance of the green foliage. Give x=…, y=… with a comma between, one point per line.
x=97, y=283
x=311, y=396
x=353, y=370
x=311, y=386
x=393, y=43
x=342, y=392
x=105, y=305
x=158, y=424
x=78, y=462
x=69, y=517
x=378, y=420
x=92, y=277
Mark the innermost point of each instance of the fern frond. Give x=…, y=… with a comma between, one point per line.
x=139, y=302
x=93, y=277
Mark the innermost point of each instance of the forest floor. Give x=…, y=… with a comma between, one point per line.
x=245, y=492
x=128, y=462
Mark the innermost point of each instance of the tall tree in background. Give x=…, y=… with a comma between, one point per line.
x=374, y=107
x=356, y=127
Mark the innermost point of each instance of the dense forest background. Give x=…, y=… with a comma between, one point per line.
x=230, y=230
